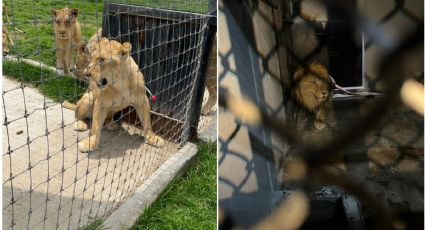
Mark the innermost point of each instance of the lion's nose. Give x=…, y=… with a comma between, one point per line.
x=87, y=73
x=62, y=32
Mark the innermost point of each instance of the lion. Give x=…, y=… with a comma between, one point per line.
x=67, y=37
x=211, y=82
x=116, y=83
x=84, y=52
x=313, y=90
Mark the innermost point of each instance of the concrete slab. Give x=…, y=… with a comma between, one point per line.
x=48, y=183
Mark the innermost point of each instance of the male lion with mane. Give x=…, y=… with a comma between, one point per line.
x=313, y=90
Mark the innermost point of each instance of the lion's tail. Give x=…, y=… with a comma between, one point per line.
x=69, y=105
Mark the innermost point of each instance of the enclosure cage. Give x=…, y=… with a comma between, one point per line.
x=48, y=183
x=167, y=54
x=365, y=169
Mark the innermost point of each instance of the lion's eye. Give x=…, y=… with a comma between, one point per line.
x=101, y=60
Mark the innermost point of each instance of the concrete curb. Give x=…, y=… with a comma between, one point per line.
x=128, y=212
x=35, y=63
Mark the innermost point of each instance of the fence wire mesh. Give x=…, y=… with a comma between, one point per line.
x=274, y=160
x=126, y=60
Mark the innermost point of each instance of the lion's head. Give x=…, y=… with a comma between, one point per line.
x=63, y=20
x=106, y=62
x=83, y=60
x=312, y=88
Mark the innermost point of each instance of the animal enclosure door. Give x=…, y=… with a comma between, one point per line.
x=168, y=47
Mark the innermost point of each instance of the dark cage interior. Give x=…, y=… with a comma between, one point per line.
x=166, y=46
x=345, y=60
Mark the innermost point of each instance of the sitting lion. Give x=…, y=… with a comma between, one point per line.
x=313, y=90
x=116, y=83
x=67, y=36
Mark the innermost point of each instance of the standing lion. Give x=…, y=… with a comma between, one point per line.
x=67, y=37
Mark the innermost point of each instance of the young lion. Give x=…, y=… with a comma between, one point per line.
x=84, y=52
x=119, y=84
x=312, y=91
x=211, y=82
x=67, y=36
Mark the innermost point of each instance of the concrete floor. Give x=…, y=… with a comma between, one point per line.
x=388, y=160
x=48, y=183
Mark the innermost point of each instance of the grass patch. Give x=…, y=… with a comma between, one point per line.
x=34, y=18
x=95, y=225
x=57, y=88
x=189, y=202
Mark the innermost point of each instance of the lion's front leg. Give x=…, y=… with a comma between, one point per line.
x=320, y=121
x=66, y=58
x=143, y=111
x=91, y=142
x=59, y=63
x=212, y=99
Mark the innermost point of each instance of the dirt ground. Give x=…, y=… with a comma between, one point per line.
x=47, y=182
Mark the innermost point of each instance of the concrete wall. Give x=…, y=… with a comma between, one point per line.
x=397, y=28
x=247, y=181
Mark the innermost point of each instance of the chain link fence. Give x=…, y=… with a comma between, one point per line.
x=144, y=57
x=364, y=170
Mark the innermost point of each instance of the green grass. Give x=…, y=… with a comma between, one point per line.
x=94, y=225
x=189, y=202
x=34, y=18
x=51, y=85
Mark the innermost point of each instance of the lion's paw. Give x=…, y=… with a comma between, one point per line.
x=59, y=72
x=155, y=140
x=80, y=126
x=319, y=125
x=87, y=145
x=205, y=111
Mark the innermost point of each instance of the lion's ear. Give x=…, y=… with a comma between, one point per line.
x=125, y=49
x=55, y=13
x=319, y=70
x=299, y=72
x=74, y=12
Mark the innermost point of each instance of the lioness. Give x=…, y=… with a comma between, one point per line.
x=67, y=36
x=84, y=52
x=118, y=84
x=313, y=90
x=211, y=82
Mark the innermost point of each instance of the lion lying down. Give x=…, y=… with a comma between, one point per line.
x=115, y=83
x=313, y=90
